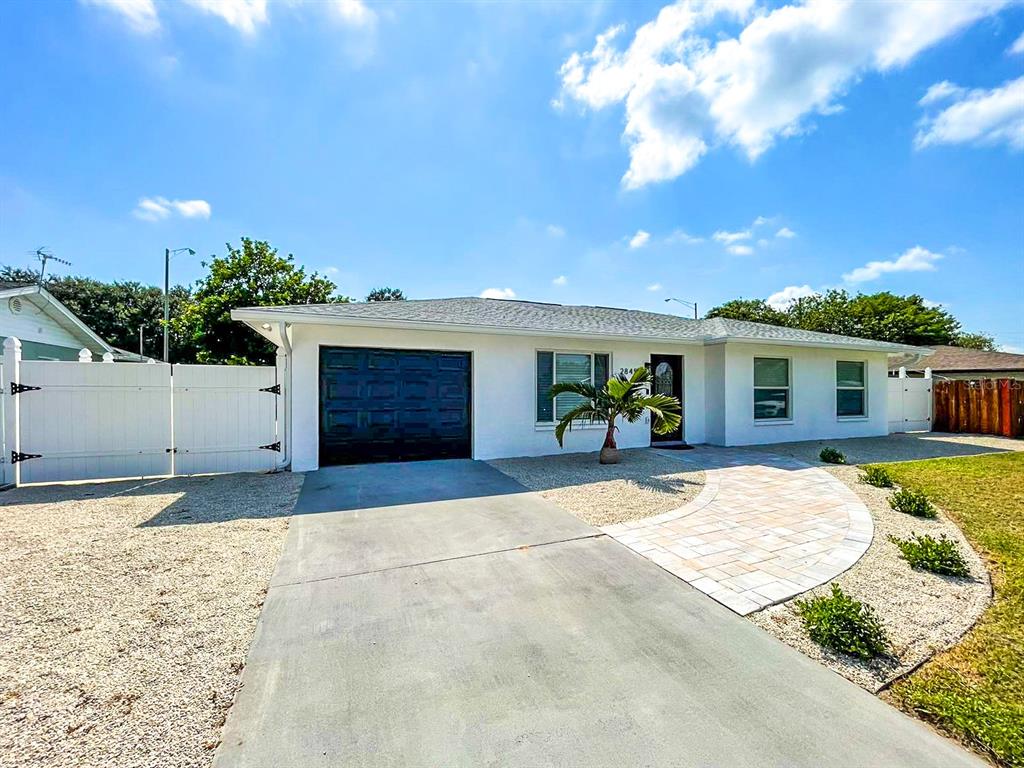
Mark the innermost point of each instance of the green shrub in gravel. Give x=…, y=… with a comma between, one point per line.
x=832, y=456
x=877, y=476
x=912, y=503
x=840, y=623
x=940, y=555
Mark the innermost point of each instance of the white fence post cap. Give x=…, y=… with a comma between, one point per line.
x=84, y=356
x=108, y=357
x=12, y=342
x=927, y=373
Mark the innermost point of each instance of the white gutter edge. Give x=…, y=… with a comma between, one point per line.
x=286, y=345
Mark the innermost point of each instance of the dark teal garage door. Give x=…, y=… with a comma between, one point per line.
x=393, y=405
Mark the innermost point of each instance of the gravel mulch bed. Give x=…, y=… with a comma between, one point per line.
x=127, y=610
x=900, y=447
x=645, y=483
x=922, y=613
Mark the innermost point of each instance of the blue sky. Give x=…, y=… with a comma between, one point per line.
x=602, y=153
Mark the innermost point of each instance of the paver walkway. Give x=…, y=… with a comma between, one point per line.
x=765, y=528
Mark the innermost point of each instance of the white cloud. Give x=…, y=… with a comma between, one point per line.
x=684, y=91
x=560, y=280
x=139, y=15
x=740, y=250
x=331, y=270
x=497, y=293
x=931, y=304
x=1012, y=349
x=761, y=220
x=1018, y=45
x=554, y=230
x=355, y=13
x=977, y=117
x=731, y=237
x=639, y=240
x=679, y=236
x=653, y=287
x=782, y=299
x=243, y=15
x=159, y=208
x=916, y=259
x=786, y=233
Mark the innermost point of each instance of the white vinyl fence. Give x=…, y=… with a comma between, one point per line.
x=910, y=403
x=100, y=420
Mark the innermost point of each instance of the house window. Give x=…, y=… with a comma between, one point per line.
x=771, y=388
x=851, y=389
x=558, y=367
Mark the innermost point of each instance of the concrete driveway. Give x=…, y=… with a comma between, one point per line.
x=439, y=614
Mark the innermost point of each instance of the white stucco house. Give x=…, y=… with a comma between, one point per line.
x=48, y=330
x=469, y=377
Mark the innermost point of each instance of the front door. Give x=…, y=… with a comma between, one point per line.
x=668, y=380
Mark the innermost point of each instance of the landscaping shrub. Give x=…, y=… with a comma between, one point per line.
x=831, y=456
x=912, y=503
x=843, y=624
x=877, y=476
x=940, y=555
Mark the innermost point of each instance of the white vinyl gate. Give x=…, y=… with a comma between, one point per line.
x=87, y=421
x=910, y=404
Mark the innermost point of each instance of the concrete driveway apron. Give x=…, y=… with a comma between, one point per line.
x=439, y=614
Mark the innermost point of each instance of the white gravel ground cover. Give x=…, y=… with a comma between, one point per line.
x=921, y=612
x=643, y=484
x=127, y=610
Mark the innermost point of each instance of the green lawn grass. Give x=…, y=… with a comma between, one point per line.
x=975, y=691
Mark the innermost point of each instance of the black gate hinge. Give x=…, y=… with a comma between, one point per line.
x=17, y=456
x=17, y=389
x=272, y=447
x=276, y=389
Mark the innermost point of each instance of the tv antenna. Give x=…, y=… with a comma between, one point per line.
x=44, y=256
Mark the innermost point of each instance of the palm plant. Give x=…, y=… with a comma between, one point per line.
x=622, y=396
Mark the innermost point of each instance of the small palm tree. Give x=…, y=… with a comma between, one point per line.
x=621, y=397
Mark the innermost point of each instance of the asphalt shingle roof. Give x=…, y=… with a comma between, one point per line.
x=563, y=318
x=960, y=359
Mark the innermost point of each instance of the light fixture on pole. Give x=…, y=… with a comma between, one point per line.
x=685, y=304
x=167, y=296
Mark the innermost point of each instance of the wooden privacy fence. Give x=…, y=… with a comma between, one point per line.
x=984, y=406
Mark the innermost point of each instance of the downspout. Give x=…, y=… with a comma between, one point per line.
x=286, y=448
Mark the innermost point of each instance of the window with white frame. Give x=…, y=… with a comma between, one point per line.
x=851, y=389
x=771, y=388
x=558, y=367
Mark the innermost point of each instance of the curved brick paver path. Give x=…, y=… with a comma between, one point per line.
x=763, y=529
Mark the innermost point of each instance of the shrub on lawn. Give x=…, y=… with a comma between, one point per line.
x=843, y=624
x=912, y=502
x=940, y=555
x=877, y=476
x=831, y=456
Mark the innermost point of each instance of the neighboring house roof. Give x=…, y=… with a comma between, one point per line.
x=63, y=316
x=951, y=359
x=535, y=318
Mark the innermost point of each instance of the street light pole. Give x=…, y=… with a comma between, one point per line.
x=167, y=297
x=686, y=304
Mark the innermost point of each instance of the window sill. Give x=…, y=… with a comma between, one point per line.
x=551, y=427
x=771, y=422
x=852, y=418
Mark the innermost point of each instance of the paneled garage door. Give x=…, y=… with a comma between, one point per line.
x=393, y=405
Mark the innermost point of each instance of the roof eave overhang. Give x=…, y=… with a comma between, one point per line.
x=867, y=347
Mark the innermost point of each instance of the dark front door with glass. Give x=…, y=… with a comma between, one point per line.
x=668, y=380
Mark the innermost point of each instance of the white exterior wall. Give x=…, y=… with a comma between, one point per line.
x=714, y=389
x=33, y=324
x=812, y=395
x=503, y=387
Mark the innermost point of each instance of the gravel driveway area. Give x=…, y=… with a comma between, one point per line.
x=922, y=613
x=643, y=484
x=909, y=446
x=127, y=612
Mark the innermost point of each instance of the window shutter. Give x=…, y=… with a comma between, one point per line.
x=545, y=378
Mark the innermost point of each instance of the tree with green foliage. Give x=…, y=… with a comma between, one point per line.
x=974, y=341
x=385, y=294
x=116, y=311
x=752, y=310
x=253, y=275
x=881, y=316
